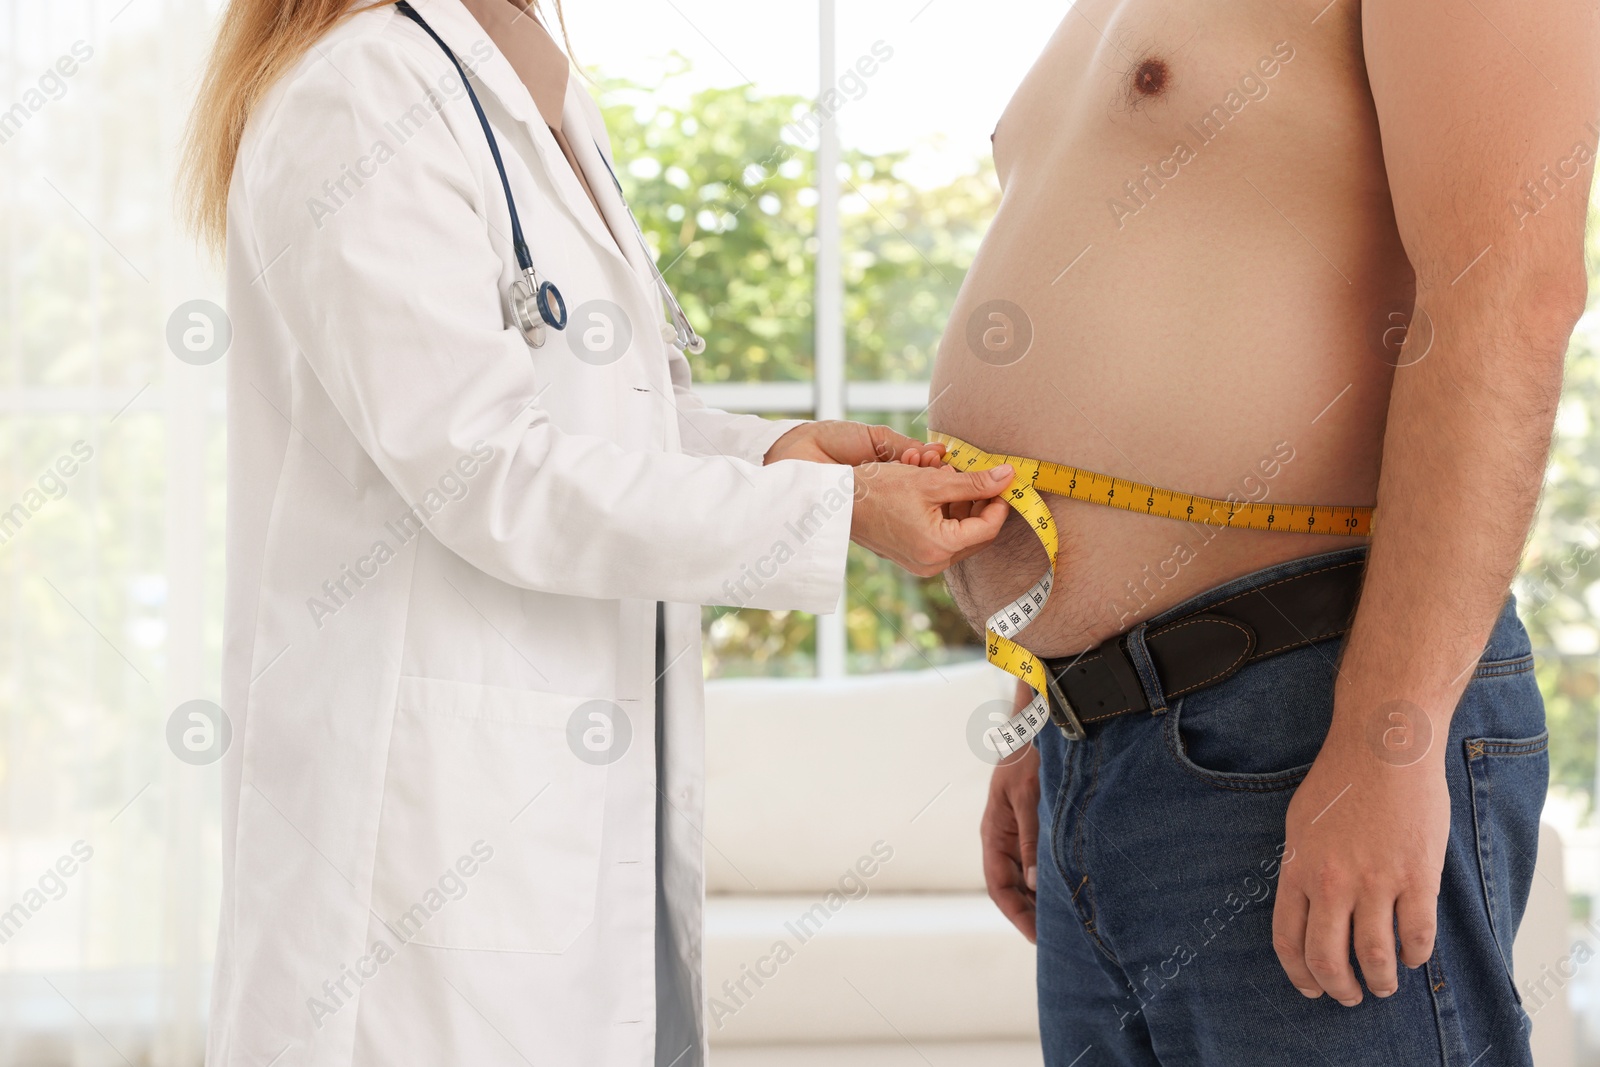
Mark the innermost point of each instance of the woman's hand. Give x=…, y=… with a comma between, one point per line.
x=933, y=456
x=901, y=512
x=1010, y=834
x=852, y=443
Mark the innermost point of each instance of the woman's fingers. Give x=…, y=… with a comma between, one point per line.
x=888, y=443
x=961, y=509
x=968, y=535
x=921, y=455
x=949, y=486
x=900, y=514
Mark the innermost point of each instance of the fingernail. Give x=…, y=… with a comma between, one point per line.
x=1031, y=876
x=1350, y=1003
x=1310, y=994
x=1002, y=473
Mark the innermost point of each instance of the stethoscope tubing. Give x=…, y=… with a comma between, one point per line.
x=686, y=337
x=547, y=299
x=518, y=245
x=551, y=305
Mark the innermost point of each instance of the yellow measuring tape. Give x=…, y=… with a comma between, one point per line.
x=1034, y=477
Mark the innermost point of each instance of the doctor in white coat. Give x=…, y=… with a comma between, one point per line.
x=463, y=796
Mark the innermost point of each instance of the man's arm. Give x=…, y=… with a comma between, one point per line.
x=1474, y=99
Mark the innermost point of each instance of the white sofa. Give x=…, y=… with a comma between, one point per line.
x=803, y=781
x=910, y=964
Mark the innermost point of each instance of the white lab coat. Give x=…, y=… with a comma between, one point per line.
x=441, y=545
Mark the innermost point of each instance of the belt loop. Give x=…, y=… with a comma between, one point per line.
x=1139, y=656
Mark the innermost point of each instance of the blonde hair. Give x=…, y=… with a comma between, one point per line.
x=258, y=41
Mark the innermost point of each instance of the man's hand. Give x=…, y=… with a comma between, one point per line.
x=1010, y=833
x=851, y=443
x=900, y=513
x=1468, y=117
x=1365, y=845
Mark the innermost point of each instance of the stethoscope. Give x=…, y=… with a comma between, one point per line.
x=535, y=303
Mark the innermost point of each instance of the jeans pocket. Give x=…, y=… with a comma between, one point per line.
x=1259, y=730
x=1507, y=777
x=1199, y=753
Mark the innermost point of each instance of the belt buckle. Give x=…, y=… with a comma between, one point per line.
x=1062, y=712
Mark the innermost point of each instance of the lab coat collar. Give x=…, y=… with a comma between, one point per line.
x=539, y=62
x=456, y=26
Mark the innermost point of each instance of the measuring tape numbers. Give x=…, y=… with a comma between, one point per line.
x=1034, y=477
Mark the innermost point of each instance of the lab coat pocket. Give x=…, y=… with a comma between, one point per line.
x=490, y=827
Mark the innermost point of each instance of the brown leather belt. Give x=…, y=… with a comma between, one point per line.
x=1204, y=647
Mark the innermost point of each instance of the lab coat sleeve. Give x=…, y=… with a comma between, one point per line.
x=708, y=431
x=393, y=298
x=702, y=430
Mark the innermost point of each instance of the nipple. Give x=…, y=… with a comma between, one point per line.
x=1150, y=77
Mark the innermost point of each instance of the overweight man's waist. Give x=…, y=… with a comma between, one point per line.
x=1114, y=569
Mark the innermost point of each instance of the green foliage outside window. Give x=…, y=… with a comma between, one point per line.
x=729, y=210
x=728, y=203
x=1559, y=587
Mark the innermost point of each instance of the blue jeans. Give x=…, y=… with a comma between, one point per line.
x=1160, y=842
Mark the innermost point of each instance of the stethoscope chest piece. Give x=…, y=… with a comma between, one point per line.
x=536, y=304
x=693, y=343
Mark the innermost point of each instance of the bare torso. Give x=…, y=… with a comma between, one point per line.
x=1196, y=229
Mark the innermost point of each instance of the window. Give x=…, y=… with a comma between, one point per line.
x=817, y=236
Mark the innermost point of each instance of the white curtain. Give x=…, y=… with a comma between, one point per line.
x=110, y=541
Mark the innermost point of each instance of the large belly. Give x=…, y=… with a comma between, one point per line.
x=1229, y=330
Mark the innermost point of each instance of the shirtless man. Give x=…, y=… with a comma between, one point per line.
x=1287, y=252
